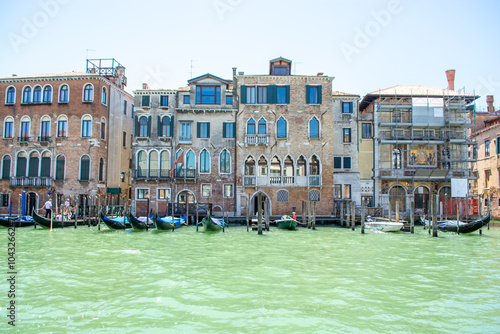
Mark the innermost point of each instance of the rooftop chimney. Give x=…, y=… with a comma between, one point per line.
x=450, y=76
x=241, y=73
x=489, y=101
x=320, y=74
x=145, y=85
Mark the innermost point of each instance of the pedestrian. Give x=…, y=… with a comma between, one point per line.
x=66, y=204
x=294, y=216
x=48, y=209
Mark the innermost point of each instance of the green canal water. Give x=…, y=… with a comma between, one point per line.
x=330, y=280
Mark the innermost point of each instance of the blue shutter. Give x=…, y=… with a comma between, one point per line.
x=198, y=130
x=287, y=94
x=308, y=98
x=159, y=126
x=224, y=133
x=208, y=130
x=136, y=126
x=217, y=95
x=497, y=144
x=243, y=94
x=271, y=94
x=350, y=107
x=198, y=93
x=320, y=95
x=149, y=126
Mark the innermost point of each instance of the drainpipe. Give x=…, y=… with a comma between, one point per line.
x=235, y=103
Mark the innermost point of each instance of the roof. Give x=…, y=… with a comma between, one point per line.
x=338, y=93
x=412, y=91
x=211, y=76
x=280, y=59
x=50, y=75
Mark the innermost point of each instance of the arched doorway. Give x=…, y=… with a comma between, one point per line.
x=32, y=201
x=255, y=202
x=397, y=194
x=422, y=200
x=186, y=196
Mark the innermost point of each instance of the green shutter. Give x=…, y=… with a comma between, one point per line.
x=45, y=170
x=6, y=168
x=350, y=107
x=136, y=126
x=198, y=130
x=320, y=95
x=159, y=126
x=243, y=94
x=33, y=169
x=172, y=126
x=497, y=146
x=308, y=99
x=149, y=126
x=21, y=166
x=224, y=133
x=271, y=94
x=287, y=94
x=208, y=129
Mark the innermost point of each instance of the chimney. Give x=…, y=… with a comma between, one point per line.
x=320, y=74
x=489, y=102
x=241, y=73
x=145, y=85
x=450, y=76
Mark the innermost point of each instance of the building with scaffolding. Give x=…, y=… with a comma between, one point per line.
x=420, y=142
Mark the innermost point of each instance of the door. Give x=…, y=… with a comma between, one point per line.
x=31, y=204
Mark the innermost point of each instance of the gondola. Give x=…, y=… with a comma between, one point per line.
x=211, y=224
x=117, y=223
x=23, y=222
x=168, y=222
x=461, y=227
x=139, y=225
x=45, y=222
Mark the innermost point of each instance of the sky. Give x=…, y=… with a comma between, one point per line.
x=365, y=45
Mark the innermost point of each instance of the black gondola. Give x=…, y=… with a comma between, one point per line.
x=115, y=224
x=454, y=226
x=45, y=222
x=138, y=225
x=8, y=222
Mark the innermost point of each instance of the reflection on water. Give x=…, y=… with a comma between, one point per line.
x=328, y=280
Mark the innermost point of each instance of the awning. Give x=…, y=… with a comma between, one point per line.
x=113, y=190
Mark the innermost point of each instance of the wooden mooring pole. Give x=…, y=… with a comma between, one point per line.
x=314, y=216
x=248, y=212
x=434, y=217
x=353, y=217
x=259, y=213
x=266, y=212
x=341, y=213
x=304, y=213
x=362, y=216
x=348, y=219
x=412, y=216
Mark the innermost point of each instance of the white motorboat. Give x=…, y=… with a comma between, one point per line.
x=383, y=224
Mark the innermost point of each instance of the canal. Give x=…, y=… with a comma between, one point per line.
x=329, y=280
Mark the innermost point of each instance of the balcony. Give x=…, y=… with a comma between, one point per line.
x=293, y=181
x=30, y=181
x=314, y=180
x=185, y=174
x=257, y=139
x=185, y=140
x=249, y=181
x=152, y=174
x=23, y=139
x=44, y=139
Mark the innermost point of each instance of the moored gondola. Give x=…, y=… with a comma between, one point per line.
x=461, y=227
x=139, y=225
x=16, y=222
x=45, y=222
x=117, y=223
x=169, y=222
x=211, y=224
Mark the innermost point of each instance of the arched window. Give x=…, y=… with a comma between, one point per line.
x=21, y=164
x=37, y=94
x=251, y=127
x=6, y=167
x=204, y=162
x=165, y=163
x=275, y=172
x=27, y=94
x=262, y=126
x=314, y=128
x=262, y=166
x=86, y=126
x=185, y=197
x=282, y=195
x=165, y=127
x=47, y=94
x=142, y=164
x=45, y=128
x=103, y=128
x=190, y=161
x=8, y=127
x=153, y=164
x=88, y=93
x=314, y=195
x=179, y=163
x=104, y=97
x=143, y=126
x=281, y=128
x=33, y=164
x=62, y=126
x=396, y=158
x=11, y=95
x=46, y=164
x=301, y=166
x=225, y=162
x=85, y=168
x=63, y=93
x=25, y=129
x=101, y=170
x=314, y=166
x=288, y=170
x=60, y=167
x=250, y=167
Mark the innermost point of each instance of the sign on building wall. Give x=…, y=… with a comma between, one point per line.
x=459, y=188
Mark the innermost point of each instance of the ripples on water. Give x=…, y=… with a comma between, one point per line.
x=323, y=281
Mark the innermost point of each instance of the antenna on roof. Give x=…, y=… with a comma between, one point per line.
x=191, y=71
x=295, y=66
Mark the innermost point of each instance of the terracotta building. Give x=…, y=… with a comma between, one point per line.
x=62, y=137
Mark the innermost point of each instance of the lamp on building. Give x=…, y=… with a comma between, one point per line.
x=122, y=176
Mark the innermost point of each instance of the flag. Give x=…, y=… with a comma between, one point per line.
x=179, y=160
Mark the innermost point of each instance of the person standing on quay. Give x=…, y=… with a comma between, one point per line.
x=48, y=208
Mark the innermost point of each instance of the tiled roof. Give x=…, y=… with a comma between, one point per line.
x=51, y=75
x=416, y=90
x=337, y=93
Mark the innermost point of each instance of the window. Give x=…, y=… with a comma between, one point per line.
x=103, y=128
x=45, y=129
x=185, y=134
x=4, y=200
x=337, y=191
x=281, y=128
x=262, y=94
x=342, y=162
x=366, y=130
x=190, y=163
x=282, y=195
x=143, y=126
x=347, y=191
x=145, y=99
x=487, y=174
x=37, y=94
x=60, y=166
x=262, y=170
x=396, y=158
x=314, y=166
x=275, y=170
x=228, y=130
x=11, y=96
x=124, y=139
x=346, y=136
x=166, y=127
x=301, y=167
x=25, y=129
x=347, y=162
x=486, y=148
x=164, y=194
x=47, y=94
x=103, y=96
x=88, y=93
x=63, y=94
x=250, y=94
x=6, y=167
x=262, y=126
x=207, y=94
x=251, y=126
x=153, y=164
x=314, y=196
x=282, y=94
x=62, y=127
x=21, y=164
x=186, y=99
x=250, y=167
x=280, y=70
x=337, y=162
x=313, y=94
x=228, y=190
x=8, y=128
x=27, y=94
x=206, y=190
x=142, y=164
x=86, y=126
x=314, y=128
x=33, y=164
x=347, y=107
x=101, y=170
x=203, y=130
x=229, y=99
x=124, y=107
x=204, y=162
x=225, y=162
x=163, y=101
x=142, y=194
x=85, y=168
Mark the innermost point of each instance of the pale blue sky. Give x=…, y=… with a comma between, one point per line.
x=355, y=41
